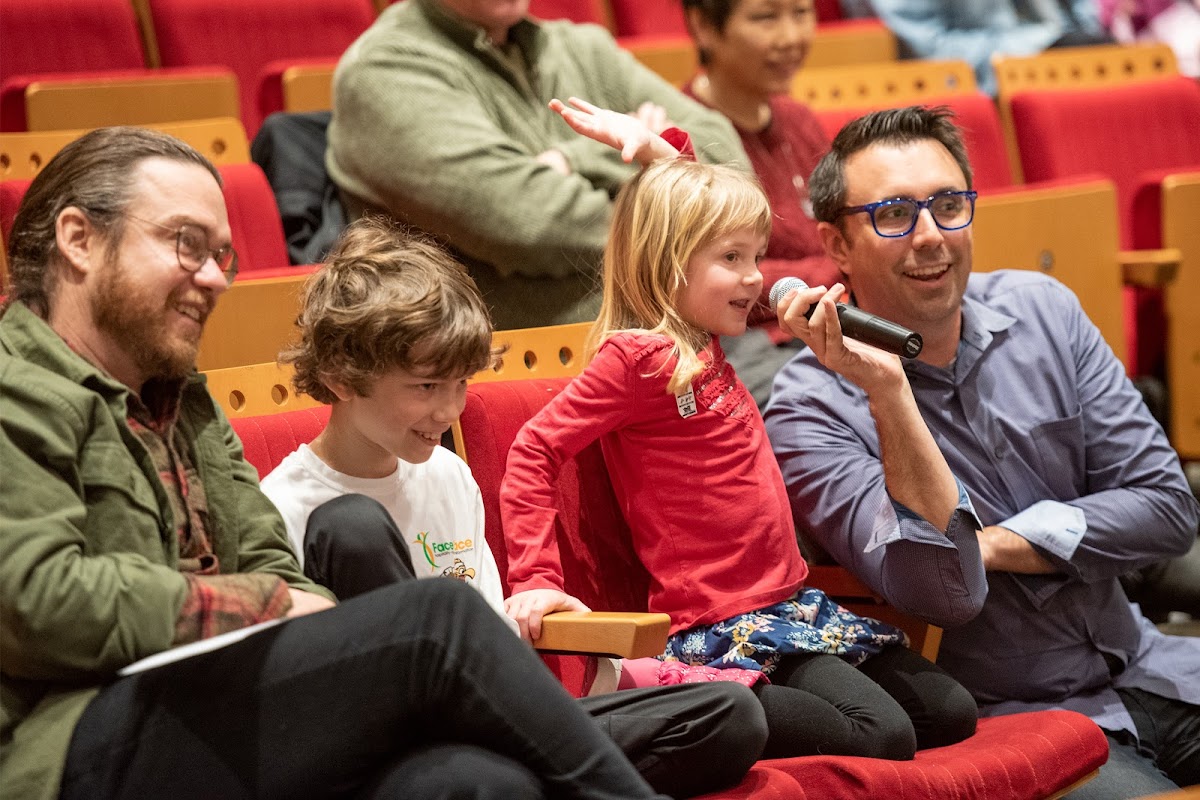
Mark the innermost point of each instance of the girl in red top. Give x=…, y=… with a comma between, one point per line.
x=694, y=474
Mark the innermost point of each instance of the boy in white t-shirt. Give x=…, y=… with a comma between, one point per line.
x=390, y=330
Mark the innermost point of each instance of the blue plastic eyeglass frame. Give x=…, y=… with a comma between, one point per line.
x=870, y=208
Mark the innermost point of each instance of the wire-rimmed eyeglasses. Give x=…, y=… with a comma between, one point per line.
x=193, y=252
x=898, y=216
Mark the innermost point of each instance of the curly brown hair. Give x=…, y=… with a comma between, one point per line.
x=387, y=298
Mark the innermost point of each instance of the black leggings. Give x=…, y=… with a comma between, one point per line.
x=894, y=704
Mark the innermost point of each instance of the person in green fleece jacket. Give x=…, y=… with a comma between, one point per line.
x=130, y=523
x=440, y=119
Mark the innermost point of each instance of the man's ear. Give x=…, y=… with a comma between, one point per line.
x=79, y=243
x=837, y=247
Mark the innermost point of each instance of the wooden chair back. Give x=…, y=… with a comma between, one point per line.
x=881, y=85
x=146, y=100
x=308, y=87
x=1037, y=228
x=837, y=44
x=1180, y=206
x=222, y=140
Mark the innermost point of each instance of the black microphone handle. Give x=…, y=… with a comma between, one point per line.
x=876, y=331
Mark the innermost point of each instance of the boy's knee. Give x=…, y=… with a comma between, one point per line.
x=351, y=528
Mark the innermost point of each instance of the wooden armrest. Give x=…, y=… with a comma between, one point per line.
x=1153, y=269
x=622, y=634
x=844, y=588
x=837, y=582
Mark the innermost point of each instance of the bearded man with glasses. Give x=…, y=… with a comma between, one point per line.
x=131, y=523
x=1000, y=483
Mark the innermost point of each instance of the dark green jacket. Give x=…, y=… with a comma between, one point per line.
x=88, y=550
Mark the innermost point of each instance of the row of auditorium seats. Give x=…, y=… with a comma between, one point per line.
x=228, y=57
x=1072, y=108
x=1029, y=756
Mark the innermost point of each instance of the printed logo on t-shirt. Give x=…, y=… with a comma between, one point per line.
x=444, y=551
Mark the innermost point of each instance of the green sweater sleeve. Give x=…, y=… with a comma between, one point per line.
x=412, y=136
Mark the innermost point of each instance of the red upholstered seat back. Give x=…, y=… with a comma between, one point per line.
x=246, y=35
x=976, y=114
x=269, y=438
x=254, y=218
x=598, y=563
x=648, y=17
x=1122, y=131
x=594, y=11
x=599, y=566
x=68, y=36
x=11, y=194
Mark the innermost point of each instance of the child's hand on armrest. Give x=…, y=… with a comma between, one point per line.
x=528, y=608
x=629, y=133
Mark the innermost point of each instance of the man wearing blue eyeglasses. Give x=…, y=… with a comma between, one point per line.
x=999, y=484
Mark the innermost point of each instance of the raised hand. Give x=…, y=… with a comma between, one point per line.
x=631, y=134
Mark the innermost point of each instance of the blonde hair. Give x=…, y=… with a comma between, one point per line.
x=661, y=218
x=387, y=298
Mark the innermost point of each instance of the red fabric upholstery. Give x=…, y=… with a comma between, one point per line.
x=68, y=36
x=11, y=194
x=1124, y=132
x=648, y=17
x=245, y=35
x=254, y=218
x=595, y=11
x=976, y=114
x=1020, y=756
x=269, y=438
x=270, y=81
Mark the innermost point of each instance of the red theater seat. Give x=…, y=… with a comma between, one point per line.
x=1128, y=132
x=247, y=35
x=1021, y=756
x=594, y=11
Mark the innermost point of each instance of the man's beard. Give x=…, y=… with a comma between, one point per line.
x=125, y=310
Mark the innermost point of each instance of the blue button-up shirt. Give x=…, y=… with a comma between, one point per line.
x=1039, y=423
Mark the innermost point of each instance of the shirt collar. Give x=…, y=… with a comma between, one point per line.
x=980, y=324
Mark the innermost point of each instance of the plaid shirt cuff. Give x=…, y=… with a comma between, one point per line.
x=220, y=603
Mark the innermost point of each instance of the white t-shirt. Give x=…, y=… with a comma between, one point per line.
x=436, y=505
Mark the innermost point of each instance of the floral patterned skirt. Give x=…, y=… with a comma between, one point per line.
x=808, y=622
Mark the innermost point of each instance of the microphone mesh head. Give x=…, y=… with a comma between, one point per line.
x=782, y=287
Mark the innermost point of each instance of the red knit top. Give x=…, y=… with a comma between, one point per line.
x=702, y=493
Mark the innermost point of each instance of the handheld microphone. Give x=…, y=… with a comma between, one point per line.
x=858, y=324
